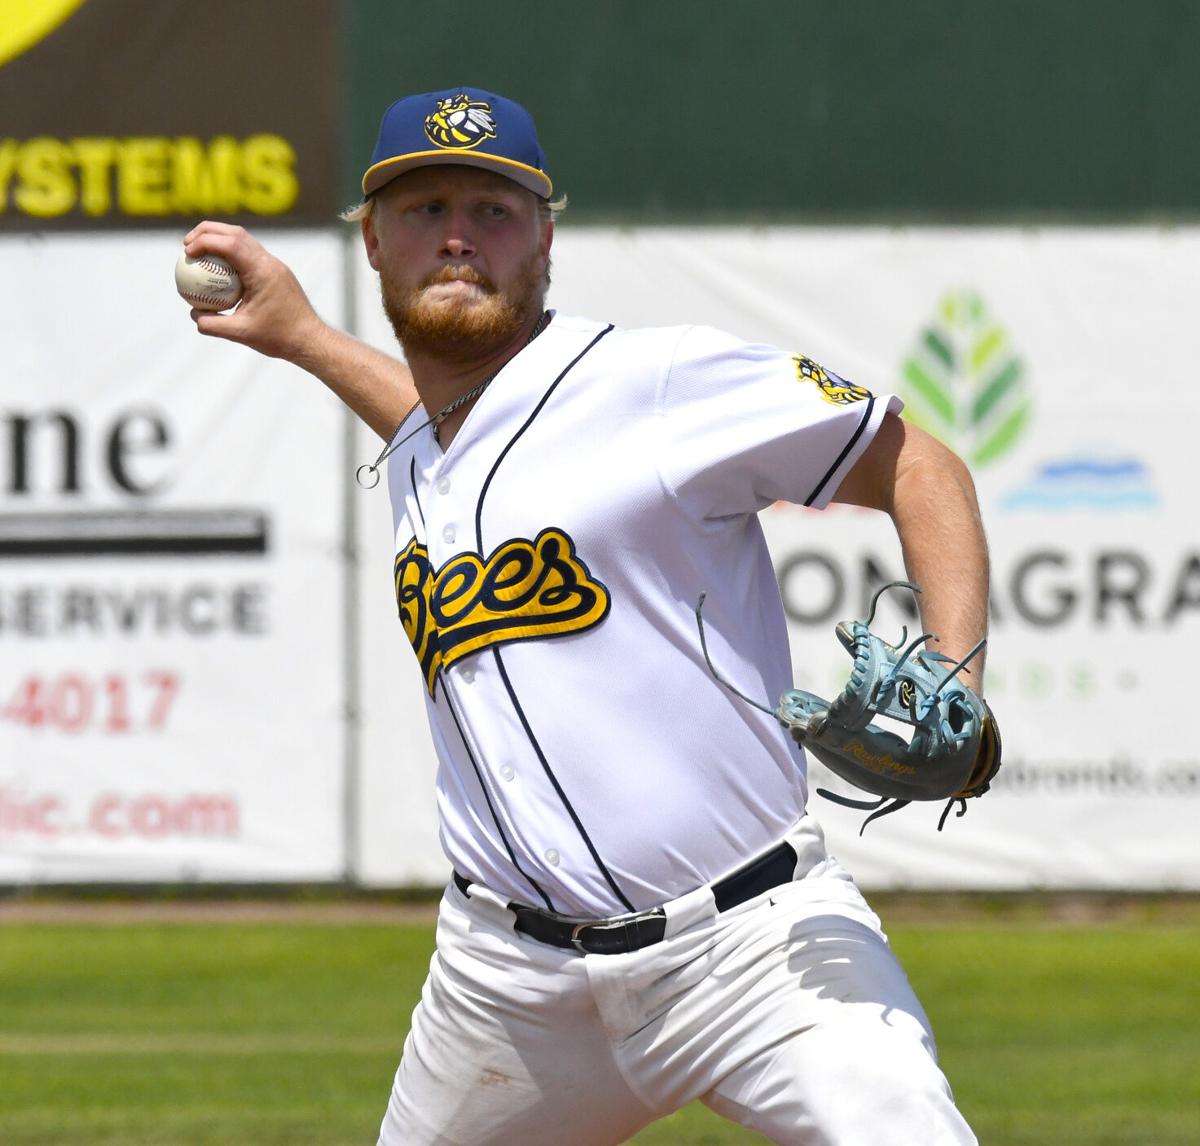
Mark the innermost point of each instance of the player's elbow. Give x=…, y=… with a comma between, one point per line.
x=931, y=478
x=903, y=463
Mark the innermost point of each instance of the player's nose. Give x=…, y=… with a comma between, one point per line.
x=457, y=235
x=457, y=247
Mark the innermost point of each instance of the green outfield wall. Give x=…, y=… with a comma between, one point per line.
x=925, y=110
x=133, y=113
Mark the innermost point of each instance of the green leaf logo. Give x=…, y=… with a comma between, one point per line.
x=964, y=384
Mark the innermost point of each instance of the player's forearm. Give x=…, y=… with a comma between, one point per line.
x=937, y=519
x=377, y=387
x=928, y=493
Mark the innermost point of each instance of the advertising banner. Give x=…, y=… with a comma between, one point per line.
x=125, y=113
x=1056, y=362
x=172, y=678
x=199, y=645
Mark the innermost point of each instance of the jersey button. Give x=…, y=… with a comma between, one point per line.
x=508, y=772
x=467, y=675
x=449, y=534
x=443, y=485
x=552, y=857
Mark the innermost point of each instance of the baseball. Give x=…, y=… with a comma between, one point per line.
x=207, y=282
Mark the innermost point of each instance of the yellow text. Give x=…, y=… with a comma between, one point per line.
x=147, y=176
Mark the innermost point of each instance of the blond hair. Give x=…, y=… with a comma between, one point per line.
x=547, y=208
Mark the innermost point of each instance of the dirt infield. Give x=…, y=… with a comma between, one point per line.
x=168, y=903
x=117, y=912
x=332, y=907
x=1074, y=908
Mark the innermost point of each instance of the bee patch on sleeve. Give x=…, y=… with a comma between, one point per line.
x=836, y=391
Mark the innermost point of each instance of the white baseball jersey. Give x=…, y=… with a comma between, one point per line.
x=547, y=572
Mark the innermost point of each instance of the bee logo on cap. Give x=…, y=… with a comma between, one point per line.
x=460, y=122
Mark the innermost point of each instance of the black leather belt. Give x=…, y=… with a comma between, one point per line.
x=624, y=933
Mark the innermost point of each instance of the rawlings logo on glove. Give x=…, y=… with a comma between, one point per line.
x=954, y=750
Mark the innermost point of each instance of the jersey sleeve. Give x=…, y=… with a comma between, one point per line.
x=747, y=425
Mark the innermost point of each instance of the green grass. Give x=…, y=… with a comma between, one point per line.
x=252, y=1034
x=1066, y=1035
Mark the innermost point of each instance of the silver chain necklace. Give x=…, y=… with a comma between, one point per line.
x=367, y=475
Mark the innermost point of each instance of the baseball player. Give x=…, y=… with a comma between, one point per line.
x=642, y=910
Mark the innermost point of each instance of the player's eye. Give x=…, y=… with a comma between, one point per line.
x=495, y=211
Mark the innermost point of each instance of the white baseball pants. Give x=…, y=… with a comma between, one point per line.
x=788, y=1014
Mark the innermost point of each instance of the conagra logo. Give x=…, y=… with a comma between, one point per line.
x=963, y=382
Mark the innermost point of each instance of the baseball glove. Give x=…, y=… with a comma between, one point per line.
x=953, y=752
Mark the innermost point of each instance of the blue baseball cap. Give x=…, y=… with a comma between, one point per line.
x=460, y=125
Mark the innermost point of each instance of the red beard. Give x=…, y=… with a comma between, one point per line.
x=463, y=330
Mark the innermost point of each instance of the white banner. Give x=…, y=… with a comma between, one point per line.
x=171, y=580
x=173, y=622
x=1057, y=362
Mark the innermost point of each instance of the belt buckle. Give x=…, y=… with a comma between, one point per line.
x=589, y=925
x=620, y=923
x=575, y=940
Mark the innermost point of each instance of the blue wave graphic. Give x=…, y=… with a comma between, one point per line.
x=1085, y=467
x=1086, y=483
x=1079, y=499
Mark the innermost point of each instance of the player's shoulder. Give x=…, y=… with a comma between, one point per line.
x=687, y=340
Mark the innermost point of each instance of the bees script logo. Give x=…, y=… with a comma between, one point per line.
x=524, y=590
x=460, y=122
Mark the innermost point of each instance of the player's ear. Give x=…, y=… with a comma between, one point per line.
x=370, y=237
